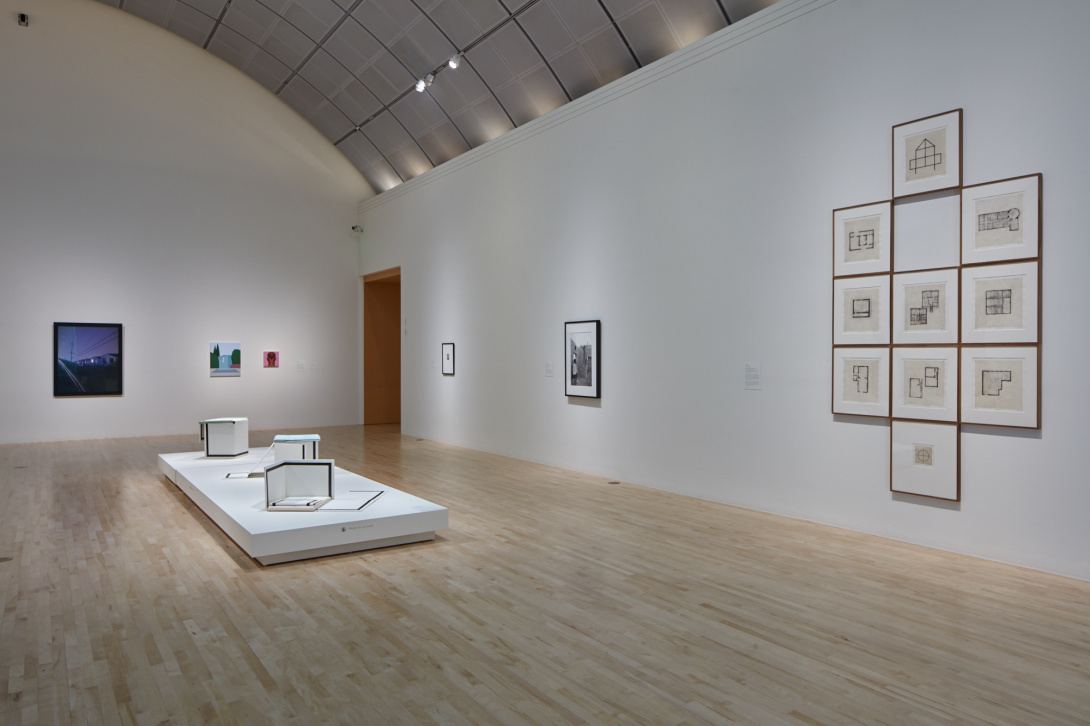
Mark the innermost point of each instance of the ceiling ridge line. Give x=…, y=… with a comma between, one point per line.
x=320, y=45
x=624, y=38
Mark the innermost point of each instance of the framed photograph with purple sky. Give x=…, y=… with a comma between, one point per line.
x=86, y=359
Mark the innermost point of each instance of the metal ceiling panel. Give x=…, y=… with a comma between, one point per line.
x=328, y=119
x=609, y=55
x=250, y=59
x=365, y=157
x=422, y=49
x=443, y=143
x=154, y=11
x=193, y=25
x=483, y=121
x=456, y=90
x=353, y=47
x=648, y=33
x=386, y=20
x=485, y=13
x=418, y=113
x=357, y=102
x=692, y=20
x=522, y=59
x=314, y=18
x=301, y=96
x=324, y=73
x=211, y=8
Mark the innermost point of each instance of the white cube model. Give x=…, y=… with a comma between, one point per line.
x=295, y=446
x=300, y=485
x=225, y=436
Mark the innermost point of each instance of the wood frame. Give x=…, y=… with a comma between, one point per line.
x=1029, y=356
x=925, y=459
x=842, y=336
x=1031, y=187
x=842, y=403
x=948, y=153
x=903, y=334
x=948, y=378
x=883, y=239
x=1027, y=302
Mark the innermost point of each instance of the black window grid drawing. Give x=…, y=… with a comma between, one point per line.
x=997, y=302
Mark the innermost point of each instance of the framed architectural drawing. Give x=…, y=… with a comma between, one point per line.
x=87, y=359
x=1000, y=303
x=583, y=348
x=1001, y=220
x=448, y=359
x=924, y=459
x=861, y=381
x=925, y=307
x=225, y=360
x=927, y=154
x=925, y=383
x=1000, y=386
x=861, y=239
x=861, y=310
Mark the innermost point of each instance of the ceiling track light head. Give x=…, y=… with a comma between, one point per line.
x=24, y=19
x=455, y=60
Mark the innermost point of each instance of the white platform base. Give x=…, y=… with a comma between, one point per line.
x=237, y=506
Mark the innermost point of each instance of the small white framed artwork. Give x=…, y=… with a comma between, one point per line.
x=925, y=383
x=1000, y=303
x=448, y=359
x=927, y=154
x=861, y=381
x=861, y=239
x=861, y=310
x=924, y=459
x=925, y=307
x=1001, y=220
x=999, y=386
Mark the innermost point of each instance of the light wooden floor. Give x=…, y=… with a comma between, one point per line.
x=554, y=598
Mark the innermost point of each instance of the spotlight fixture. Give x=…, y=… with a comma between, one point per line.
x=24, y=19
x=420, y=86
x=357, y=229
x=455, y=60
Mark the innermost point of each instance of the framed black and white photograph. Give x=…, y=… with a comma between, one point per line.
x=924, y=460
x=1001, y=220
x=1000, y=386
x=582, y=344
x=1000, y=303
x=861, y=239
x=925, y=308
x=927, y=154
x=861, y=310
x=925, y=383
x=861, y=381
x=448, y=359
x=87, y=359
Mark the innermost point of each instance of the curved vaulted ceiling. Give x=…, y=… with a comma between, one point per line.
x=351, y=67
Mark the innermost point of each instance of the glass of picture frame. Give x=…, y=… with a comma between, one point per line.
x=583, y=349
x=861, y=310
x=925, y=383
x=925, y=459
x=1001, y=220
x=861, y=239
x=927, y=154
x=861, y=381
x=925, y=307
x=87, y=359
x=1000, y=303
x=447, y=354
x=1000, y=385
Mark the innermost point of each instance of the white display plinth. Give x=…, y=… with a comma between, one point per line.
x=225, y=436
x=237, y=506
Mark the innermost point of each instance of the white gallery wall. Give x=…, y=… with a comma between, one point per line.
x=145, y=182
x=688, y=207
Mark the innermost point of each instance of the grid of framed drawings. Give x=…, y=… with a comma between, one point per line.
x=937, y=306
